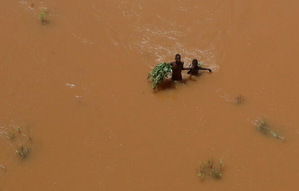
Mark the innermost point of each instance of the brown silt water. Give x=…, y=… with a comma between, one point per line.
x=74, y=92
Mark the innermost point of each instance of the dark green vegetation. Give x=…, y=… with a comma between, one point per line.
x=263, y=126
x=210, y=169
x=239, y=99
x=23, y=151
x=159, y=73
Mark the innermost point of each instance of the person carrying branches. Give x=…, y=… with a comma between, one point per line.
x=173, y=70
x=177, y=67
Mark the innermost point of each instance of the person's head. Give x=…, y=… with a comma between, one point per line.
x=177, y=57
x=194, y=62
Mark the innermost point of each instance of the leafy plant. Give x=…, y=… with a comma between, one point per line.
x=159, y=73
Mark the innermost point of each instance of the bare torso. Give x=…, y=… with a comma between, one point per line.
x=177, y=68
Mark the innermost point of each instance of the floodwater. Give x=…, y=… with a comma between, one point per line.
x=76, y=90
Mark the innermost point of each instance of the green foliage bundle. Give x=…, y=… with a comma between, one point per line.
x=159, y=73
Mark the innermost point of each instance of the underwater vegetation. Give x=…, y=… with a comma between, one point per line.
x=210, y=169
x=239, y=99
x=263, y=126
x=42, y=15
x=23, y=151
x=17, y=138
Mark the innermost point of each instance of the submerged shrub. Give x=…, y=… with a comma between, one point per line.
x=209, y=169
x=239, y=99
x=264, y=127
x=23, y=151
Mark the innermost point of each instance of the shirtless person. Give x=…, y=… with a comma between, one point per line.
x=177, y=67
x=194, y=68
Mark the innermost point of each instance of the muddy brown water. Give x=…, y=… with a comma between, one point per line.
x=77, y=87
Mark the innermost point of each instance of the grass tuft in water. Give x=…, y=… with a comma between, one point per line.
x=23, y=151
x=159, y=73
x=275, y=134
x=209, y=169
x=42, y=15
x=263, y=126
x=239, y=99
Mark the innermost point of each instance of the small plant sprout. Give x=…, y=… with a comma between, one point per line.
x=23, y=151
x=221, y=163
x=216, y=173
x=42, y=15
x=210, y=162
x=210, y=169
x=200, y=175
x=239, y=99
x=19, y=129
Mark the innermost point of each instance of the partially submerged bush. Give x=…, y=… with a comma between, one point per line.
x=264, y=127
x=209, y=169
x=23, y=151
x=239, y=99
x=159, y=73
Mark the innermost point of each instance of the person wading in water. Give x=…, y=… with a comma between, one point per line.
x=194, y=68
x=177, y=67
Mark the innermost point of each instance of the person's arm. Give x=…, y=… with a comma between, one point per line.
x=185, y=68
x=200, y=68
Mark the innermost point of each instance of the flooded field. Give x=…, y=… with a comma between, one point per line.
x=74, y=93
